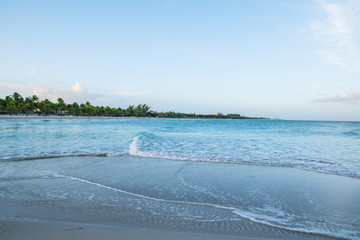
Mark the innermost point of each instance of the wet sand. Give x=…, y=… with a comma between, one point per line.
x=34, y=230
x=126, y=197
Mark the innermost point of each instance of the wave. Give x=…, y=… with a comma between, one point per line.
x=253, y=217
x=353, y=133
x=319, y=166
x=57, y=156
x=135, y=151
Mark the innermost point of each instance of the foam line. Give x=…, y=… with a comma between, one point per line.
x=147, y=197
x=235, y=211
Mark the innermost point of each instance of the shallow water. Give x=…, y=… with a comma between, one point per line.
x=330, y=147
x=222, y=176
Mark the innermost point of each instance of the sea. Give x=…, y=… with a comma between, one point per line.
x=271, y=178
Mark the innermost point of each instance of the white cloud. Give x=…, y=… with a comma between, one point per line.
x=7, y=89
x=76, y=94
x=78, y=88
x=352, y=97
x=339, y=33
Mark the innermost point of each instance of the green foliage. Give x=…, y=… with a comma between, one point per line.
x=16, y=104
x=2, y=104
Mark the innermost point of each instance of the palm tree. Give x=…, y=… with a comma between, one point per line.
x=28, y=105
x=35, y=98
x=74, y=108
x=46, y=106
x=61, y=106
x=2, y=104
x=130, y=110
x=17, y=97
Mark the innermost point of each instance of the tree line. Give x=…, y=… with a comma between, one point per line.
x=15, y=104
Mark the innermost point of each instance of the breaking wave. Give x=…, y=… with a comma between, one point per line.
x=153, y=146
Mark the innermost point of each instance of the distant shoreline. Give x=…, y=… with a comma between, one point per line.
x=24, y=117
x=16, y=105
x=19, y=117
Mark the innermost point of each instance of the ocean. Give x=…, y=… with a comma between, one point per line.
x=276, y=178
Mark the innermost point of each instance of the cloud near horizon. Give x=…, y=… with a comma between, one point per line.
x=77, y=93
x=339, y=33
x=352, y=97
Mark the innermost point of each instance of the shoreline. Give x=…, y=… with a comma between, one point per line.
x=41, y=117
x=122, y=213
x=33, y=229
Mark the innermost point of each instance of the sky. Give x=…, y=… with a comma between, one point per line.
x=296, y=59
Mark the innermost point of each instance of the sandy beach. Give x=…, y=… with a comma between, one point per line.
x=35, y=230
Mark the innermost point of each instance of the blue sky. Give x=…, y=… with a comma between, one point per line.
x=272, y=58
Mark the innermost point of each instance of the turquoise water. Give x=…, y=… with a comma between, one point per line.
x=223, y=176
x=329, y=147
